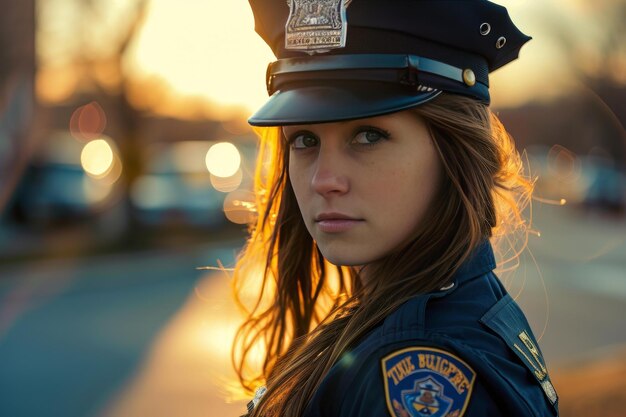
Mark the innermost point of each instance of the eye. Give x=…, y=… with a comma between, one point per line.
x=303, y=140
x=370, y=136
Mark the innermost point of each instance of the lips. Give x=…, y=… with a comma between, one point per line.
x=334, y=216
x=336, y=222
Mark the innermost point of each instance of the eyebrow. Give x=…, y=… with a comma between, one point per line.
x=344, y=124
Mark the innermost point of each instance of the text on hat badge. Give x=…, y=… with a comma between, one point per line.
x=316, y=26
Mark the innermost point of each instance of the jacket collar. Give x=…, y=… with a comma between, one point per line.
x=480, y=261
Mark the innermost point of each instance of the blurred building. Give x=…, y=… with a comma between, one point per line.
x=17, y=100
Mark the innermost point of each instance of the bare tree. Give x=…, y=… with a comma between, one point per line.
x=596, y=56
x=94, y=36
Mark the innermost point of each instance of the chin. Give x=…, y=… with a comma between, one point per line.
x=340, y=259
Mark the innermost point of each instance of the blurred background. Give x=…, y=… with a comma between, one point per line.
x=126, y=163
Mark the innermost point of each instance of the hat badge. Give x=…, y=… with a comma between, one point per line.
x=316, y=26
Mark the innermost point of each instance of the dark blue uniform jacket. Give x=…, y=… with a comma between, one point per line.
x=466, y=350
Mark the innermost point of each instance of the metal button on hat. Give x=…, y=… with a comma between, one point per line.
x=469, y=77
x=342, y=60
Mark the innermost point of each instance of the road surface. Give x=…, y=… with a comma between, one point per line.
x=147, y=334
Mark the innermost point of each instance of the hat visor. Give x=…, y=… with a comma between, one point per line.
x=308, y=104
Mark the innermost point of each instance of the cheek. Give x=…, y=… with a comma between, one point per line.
x=405, y=194
x=292, y=171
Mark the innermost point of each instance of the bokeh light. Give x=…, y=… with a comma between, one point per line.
x=115, y=172
x=227, y=184
x=564, y=164
x=223, y=159
x=239, y=207
x=97, y=158
x=88, y=121
x=96, y=191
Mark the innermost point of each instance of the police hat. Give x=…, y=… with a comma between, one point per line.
x=350, y=59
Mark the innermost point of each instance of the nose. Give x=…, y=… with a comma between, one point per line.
x=330, y=175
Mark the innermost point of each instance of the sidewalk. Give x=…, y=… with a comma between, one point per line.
x=187, y=372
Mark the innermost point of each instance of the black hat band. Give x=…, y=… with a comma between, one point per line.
x=416, y=72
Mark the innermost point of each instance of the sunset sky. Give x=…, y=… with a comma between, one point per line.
x=208, y=48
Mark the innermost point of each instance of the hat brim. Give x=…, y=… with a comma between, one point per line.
x=323, y=103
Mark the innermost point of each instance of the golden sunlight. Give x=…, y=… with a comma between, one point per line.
x=203, y=57
x=55, y=84
x=204, y=48
x=208, y=48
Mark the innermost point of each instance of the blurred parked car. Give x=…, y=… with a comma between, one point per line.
x=607, y=187
x=69, y=182
x=592, y=182
x=175, y=189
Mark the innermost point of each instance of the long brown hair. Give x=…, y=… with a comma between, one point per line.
x=308, y=312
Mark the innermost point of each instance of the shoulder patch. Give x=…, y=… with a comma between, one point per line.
x=424, y=381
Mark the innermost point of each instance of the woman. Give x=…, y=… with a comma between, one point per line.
x=383, y=178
